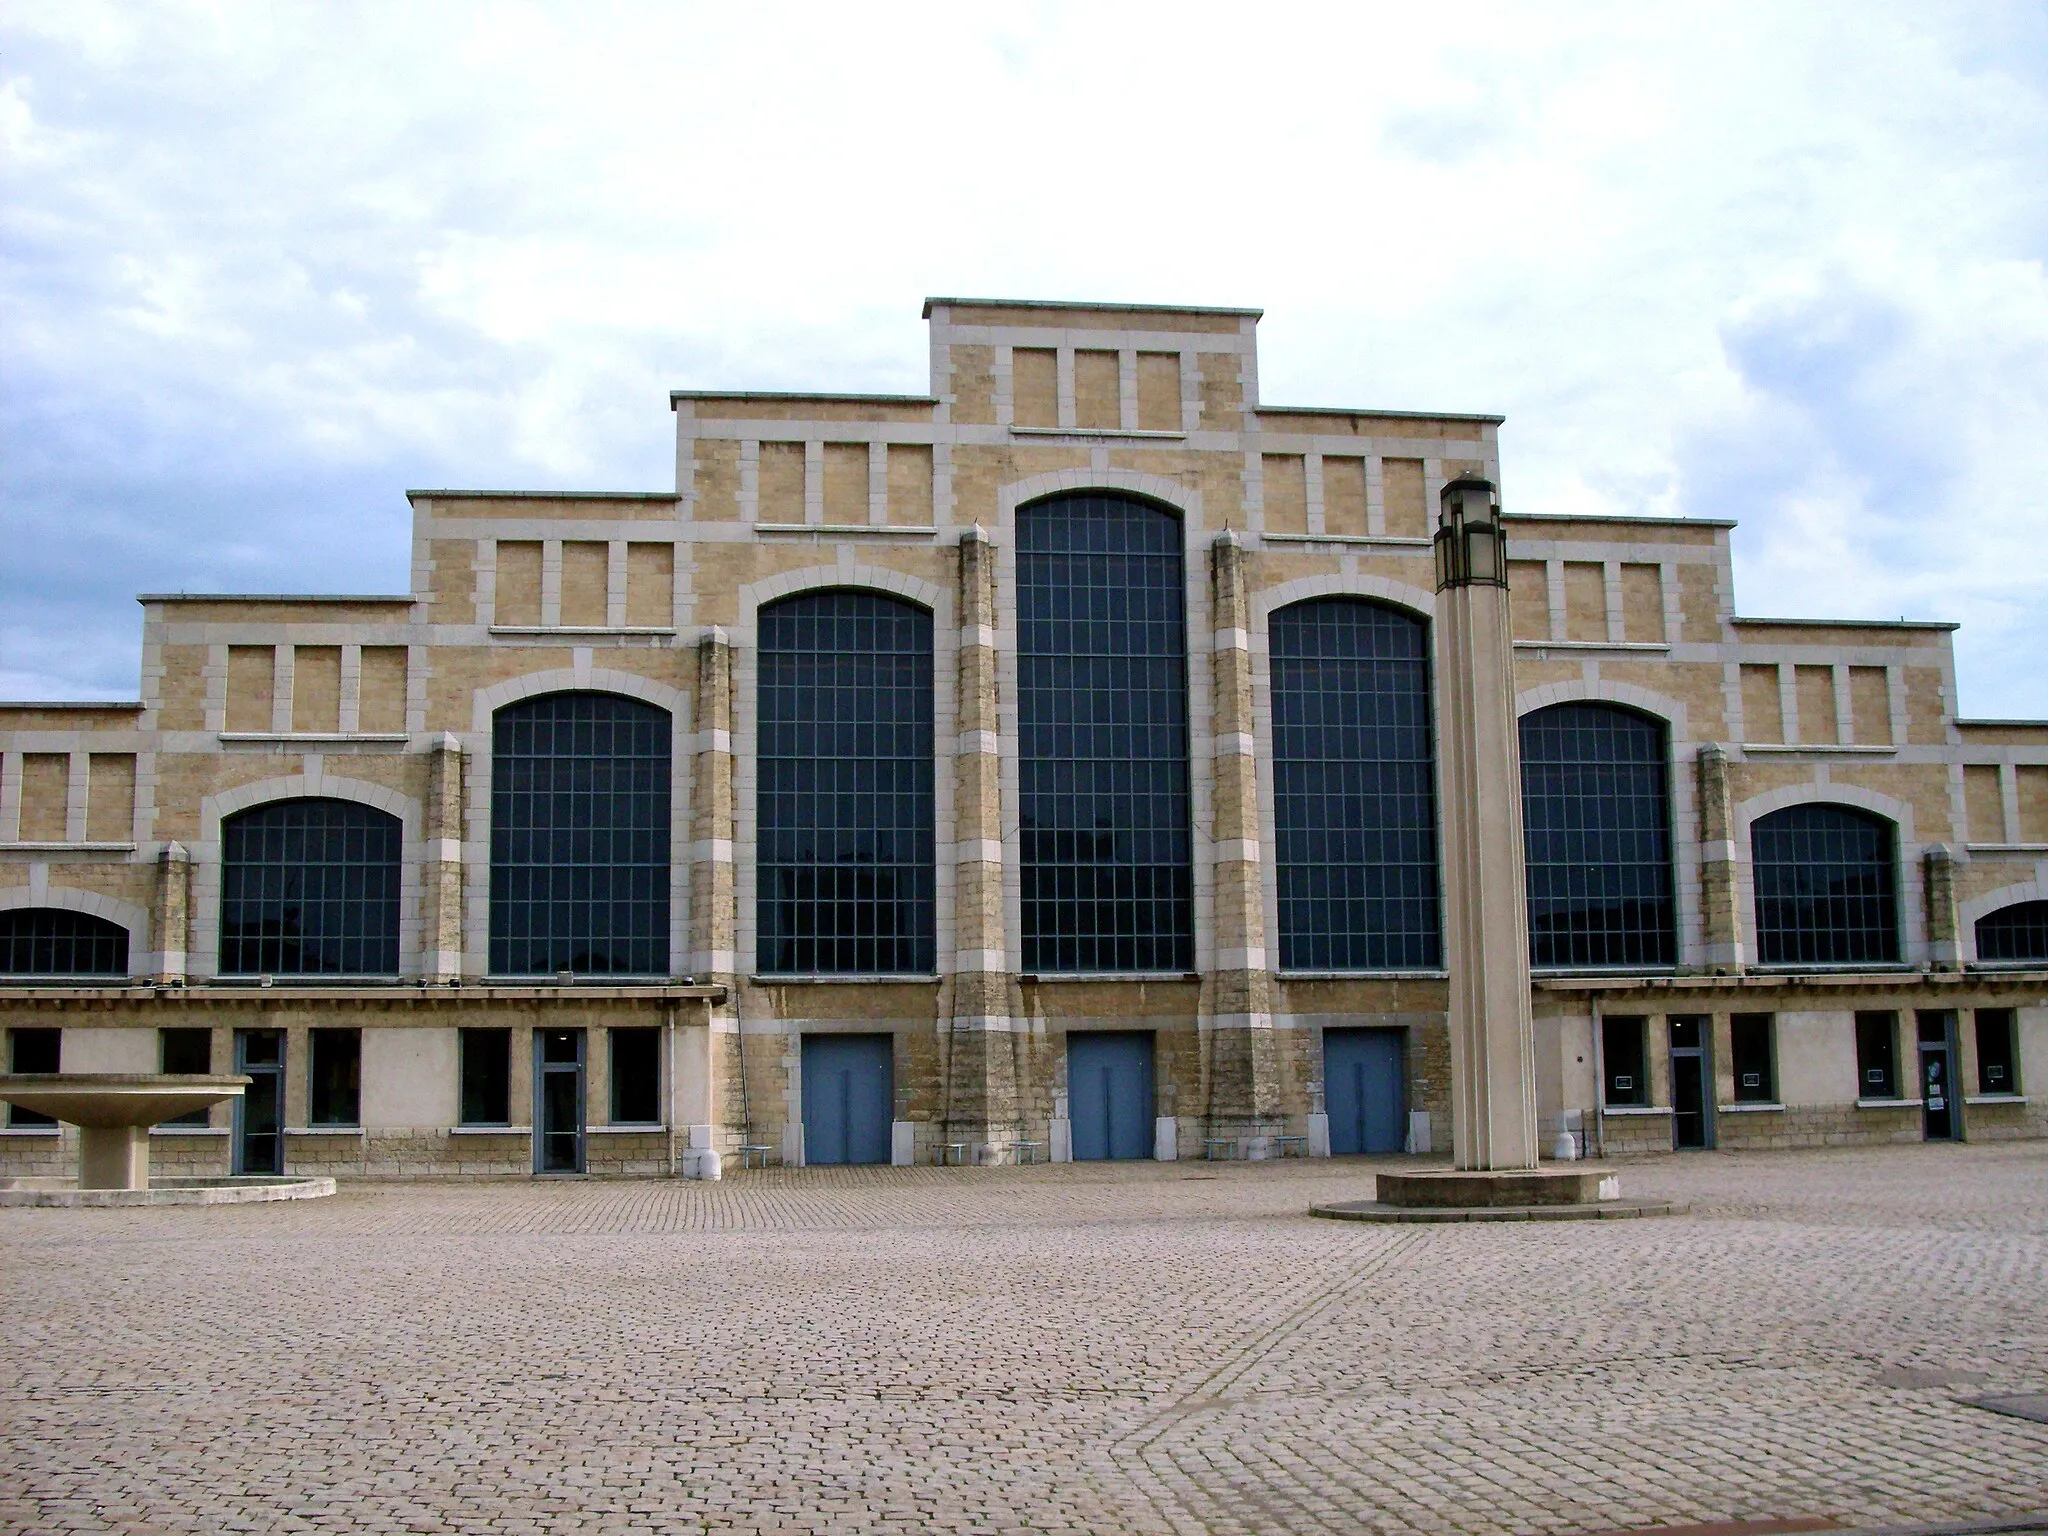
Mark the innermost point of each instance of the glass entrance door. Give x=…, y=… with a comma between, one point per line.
x=259, y=1112
x=1692, y=1118
x=558, y=1100
x=1939, y=1119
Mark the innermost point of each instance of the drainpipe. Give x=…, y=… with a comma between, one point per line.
x=673, y=1169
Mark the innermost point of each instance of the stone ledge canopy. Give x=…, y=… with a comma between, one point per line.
x=114, y=1100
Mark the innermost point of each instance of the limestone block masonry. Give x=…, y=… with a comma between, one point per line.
x=1725, y=1027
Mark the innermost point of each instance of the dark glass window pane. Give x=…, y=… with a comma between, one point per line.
x=1624, y=1047
x=2017, y=932
x=1596, y=823
x=188, y=1051
x=1755, y=1072
x=486, y=1076
x=46, y=941
x=33, y=1050
x=1354, y=788
x=1824, y=887
x=1102, y=760
x=336, y=1087
x=844, y=863
x=1877, y=1037
x=1998, y=1060
x=636, y=1076
x=310, y=887
x=580, y=837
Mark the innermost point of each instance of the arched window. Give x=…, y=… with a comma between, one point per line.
x=580, y=836
x=843, y=869
x=1596, y=824
x=2017, y=932
x=1826, y=893
x=310, y=888
x=1354, y=793
x=1102, y=761
x=49, y=941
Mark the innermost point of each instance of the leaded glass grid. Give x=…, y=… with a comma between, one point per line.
x=1354, y=794
x=580, y=837
x=1102, y=766
x=310, y=888
x=2017, y=932
x=1596, y=826
x=1825, y=887
x=844, y=861
x=48, y=941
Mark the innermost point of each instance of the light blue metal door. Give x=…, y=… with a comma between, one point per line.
x=848, y=1092
x=1365, y=1089
x=1109, y=1095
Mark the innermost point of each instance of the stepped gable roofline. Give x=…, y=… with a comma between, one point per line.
x=454, y=495
x=1362, y=410
x=1089, y=304
x=1854, y=623
x=1637, y=517
x=273, y=597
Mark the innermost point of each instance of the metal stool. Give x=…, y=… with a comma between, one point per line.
x=1026, y=1152
x=750, y=1152
x=953, y=1154
x=1229, y=1145
x=1300, y=1143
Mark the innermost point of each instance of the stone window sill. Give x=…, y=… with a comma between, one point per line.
x=1137, y=432
x=323, y=1130
x=594, y=630
x=490, y=1130
x=903, y=530
x=1635, y=1109
x=1394, y=540
x=1994, y=1098
x=188, y=1130
x=312, y=738
x=1749, y=1108
x=648, y=1129
x=1592, y=645
x=827, y=979
x=28, y=1130
x=67, y=847
x=1888, y=1103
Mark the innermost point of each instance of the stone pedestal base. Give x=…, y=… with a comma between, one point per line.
x=113, y=1157
x=1465, y=1190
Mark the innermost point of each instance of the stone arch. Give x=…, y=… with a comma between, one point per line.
x=1977, y=907
x=1906, y=851
x=124, y=914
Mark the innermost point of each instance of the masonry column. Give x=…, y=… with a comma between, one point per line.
x=981, y=1087
x=1493, y=1059
x=1244, y=1075
x=712, y=834
x=173, y=912
x=441, y=898
x=1719, y=909
x=1938, y=880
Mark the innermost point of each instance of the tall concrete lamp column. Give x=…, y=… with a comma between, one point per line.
x=1493, y=1057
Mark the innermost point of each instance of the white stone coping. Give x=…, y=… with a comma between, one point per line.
x=1748, y=1107
x=489, y=1130
x=638, y=1128
x=1890, y=1103
x=325, y=1130
x=1625, y=1110
x=1994, y=1098
x=165, y=1128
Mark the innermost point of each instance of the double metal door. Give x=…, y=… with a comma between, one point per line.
x=848, y=1092
x=1109, y=1095
x=1365, y=1090
x=259, y=1112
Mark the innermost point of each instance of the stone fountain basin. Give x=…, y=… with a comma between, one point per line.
x=113, y=1100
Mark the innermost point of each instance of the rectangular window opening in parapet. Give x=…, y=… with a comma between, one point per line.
x=1624, y=1045
x=186, y=1051
x=1998, y=1057
x=636, y=1075
x=33, y=1050
x=1751, y=1046
x=336, y=1077
x=1877, y=1055
x=486, y=1069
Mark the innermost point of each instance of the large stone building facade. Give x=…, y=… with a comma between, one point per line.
x=1040, y=767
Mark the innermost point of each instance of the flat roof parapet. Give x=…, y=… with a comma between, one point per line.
x=1093, y=306
x=271, y=597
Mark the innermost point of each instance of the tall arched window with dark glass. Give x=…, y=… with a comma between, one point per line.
x=1102, y=756
x=580, y=836
x=1354, y=794
x=2015, y=933
x=55, y=942
x=1826, y=886
x=843, y=864
x=1596, y=827
x=310, y=888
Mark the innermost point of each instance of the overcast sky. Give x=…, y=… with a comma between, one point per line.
x=265, y=266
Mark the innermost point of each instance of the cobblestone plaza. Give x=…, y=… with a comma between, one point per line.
x=1157, y=1347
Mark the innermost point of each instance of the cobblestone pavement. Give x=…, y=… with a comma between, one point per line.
x=1144, y=1348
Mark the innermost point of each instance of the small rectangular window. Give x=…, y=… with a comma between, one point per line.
x=636, y=1076
x=486, y=1077
x=1877, y=1051
x=189, y=1051
x=1749, y=1041
x=337, y=1077
x=1998, y=1062
x=1623, y=1044
x=33, y=1050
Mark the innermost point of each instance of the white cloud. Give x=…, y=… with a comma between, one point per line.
x=265, y=265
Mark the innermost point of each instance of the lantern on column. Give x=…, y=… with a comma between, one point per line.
x=1471, y=548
